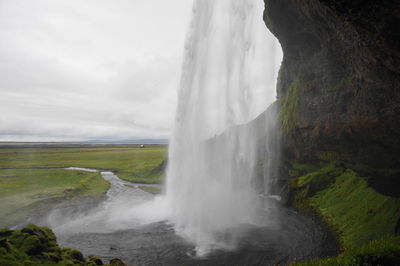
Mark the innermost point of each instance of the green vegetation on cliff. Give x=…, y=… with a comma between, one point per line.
x=358, y=212
x=383, y=251
x=288, y=114
x=365, y=220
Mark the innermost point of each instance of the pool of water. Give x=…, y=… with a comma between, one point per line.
x=106, y=230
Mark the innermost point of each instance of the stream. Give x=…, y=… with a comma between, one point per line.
x=121, y=227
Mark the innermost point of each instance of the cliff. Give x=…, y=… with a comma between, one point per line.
x=338, y=84
x=339, y=120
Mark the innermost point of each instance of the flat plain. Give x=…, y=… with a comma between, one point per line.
x=32, y=179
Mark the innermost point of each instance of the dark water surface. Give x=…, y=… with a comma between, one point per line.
x=298, y=238
x=294, y=237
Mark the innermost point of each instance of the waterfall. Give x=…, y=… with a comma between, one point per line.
x=228, y=79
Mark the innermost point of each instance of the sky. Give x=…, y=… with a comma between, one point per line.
x=76, y=70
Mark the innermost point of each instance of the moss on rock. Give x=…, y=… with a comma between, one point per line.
x=288, y=113
x=35, y=245
x=365, y=221
x=360, y=213
x=383, y=251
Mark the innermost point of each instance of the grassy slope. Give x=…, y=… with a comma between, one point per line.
x=30, y=184
x=364, y=219
x=24, y=192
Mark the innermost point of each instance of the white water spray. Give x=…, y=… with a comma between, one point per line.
x=228, y=78
x=217, y=157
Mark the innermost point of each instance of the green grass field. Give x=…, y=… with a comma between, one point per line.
x=32, y=179
x=132, y=164
x=27, y=192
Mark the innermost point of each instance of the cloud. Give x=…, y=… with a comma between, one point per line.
x=75, y=70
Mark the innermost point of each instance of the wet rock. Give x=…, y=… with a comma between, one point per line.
x=95, y=260
x=76, y=255
x=117, y=262
x=345, y=58
x=5, y=232
x=32, y=245
x=4, y=243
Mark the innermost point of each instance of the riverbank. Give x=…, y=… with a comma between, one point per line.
x=33, y=181
x=128, y=225
x=30, y=193
x=102, y=228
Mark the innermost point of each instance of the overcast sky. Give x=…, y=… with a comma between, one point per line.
x=90, y=69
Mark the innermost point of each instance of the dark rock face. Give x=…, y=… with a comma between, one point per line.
x=338, y=86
